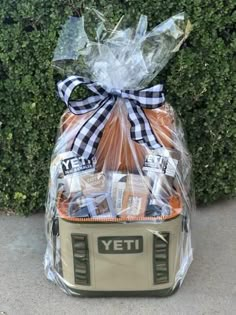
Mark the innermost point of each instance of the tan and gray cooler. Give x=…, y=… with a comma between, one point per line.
x=118, y=257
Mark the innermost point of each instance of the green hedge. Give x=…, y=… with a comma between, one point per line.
x=200, y=82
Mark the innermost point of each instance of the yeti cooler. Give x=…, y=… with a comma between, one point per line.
x=113, y=257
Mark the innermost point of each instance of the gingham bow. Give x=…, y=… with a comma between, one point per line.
x=102, y=102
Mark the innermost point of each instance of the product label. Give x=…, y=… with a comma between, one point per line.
x=119, y=196
x=160, y=164
x=92, y=183
x=156, y=161
x=77, y=164
x=118, y=185
x=171, y=167
x=134, y=205
x=120, y=244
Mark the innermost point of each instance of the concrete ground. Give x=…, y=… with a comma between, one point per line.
x=209, y=288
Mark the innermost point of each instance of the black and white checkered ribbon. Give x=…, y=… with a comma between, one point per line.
x=102, y=102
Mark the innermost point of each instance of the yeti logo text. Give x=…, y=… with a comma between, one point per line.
x=76, y=164
x=120, y=244
x=156, y=161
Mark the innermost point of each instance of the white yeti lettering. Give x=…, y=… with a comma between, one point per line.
x=107, y=244
x=66, y=164
x=118, y=245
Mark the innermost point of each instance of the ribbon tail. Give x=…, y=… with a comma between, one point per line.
x=141, y=130
x=89, y=135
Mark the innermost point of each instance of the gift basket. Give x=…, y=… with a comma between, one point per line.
x=119, y=199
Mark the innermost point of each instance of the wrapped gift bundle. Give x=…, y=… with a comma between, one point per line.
x=119, y=199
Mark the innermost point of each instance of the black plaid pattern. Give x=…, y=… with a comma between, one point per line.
x=66, y=87
x=102, y=102
x=88, y=137
x=141, y=130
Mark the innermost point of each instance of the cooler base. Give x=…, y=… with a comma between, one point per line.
x=153, y=293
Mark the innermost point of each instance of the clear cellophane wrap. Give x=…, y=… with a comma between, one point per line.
x=120, y=196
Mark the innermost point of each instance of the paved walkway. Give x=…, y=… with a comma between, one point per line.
x=209, y=288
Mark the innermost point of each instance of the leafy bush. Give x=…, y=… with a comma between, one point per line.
x=200, y=84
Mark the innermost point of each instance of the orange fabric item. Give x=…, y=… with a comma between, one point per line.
x=114, y=151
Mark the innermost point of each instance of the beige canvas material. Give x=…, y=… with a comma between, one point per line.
x=123, y=271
